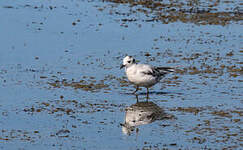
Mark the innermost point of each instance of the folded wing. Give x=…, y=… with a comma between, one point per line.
x=158, y=71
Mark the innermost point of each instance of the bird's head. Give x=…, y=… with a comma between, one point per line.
x=127, y=61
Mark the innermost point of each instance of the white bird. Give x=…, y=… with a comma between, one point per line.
x=142, y=74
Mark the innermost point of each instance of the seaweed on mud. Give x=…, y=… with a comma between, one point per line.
x=91, y=86
x=70, y=107
x=194, y=110
x=18, y=134
x=185, y=12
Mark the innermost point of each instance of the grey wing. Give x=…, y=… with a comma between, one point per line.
x=156, y=71
x=153, y=72
x=163, y=70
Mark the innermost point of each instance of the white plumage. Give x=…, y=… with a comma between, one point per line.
x=142, y=74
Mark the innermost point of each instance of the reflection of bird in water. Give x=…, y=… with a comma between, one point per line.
x=142, y=113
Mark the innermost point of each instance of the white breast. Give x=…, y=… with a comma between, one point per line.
x=135, y=74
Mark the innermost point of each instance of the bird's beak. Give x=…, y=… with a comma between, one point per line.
x=122, y=66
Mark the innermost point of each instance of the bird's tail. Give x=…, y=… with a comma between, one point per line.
x=165, y=70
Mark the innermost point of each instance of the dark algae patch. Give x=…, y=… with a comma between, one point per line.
x=70, y=107
x=83, y=85
x=197, y=12
x=21, y=135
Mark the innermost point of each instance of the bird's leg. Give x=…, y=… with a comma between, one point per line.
x=137, y=98
x=147, y=94
x=136, y=90
x=147, y=90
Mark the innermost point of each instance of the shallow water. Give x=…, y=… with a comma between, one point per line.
x=61, y=86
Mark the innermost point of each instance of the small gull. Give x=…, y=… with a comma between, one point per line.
x=142, y=74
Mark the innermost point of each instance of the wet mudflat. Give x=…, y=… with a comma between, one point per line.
x=61, y=86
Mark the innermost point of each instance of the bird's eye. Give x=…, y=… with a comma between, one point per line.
x=129, y=61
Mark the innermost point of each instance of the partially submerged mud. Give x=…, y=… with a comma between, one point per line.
x=200, y=13
x=22, y=135
x=71, y=107
x=83, y=85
